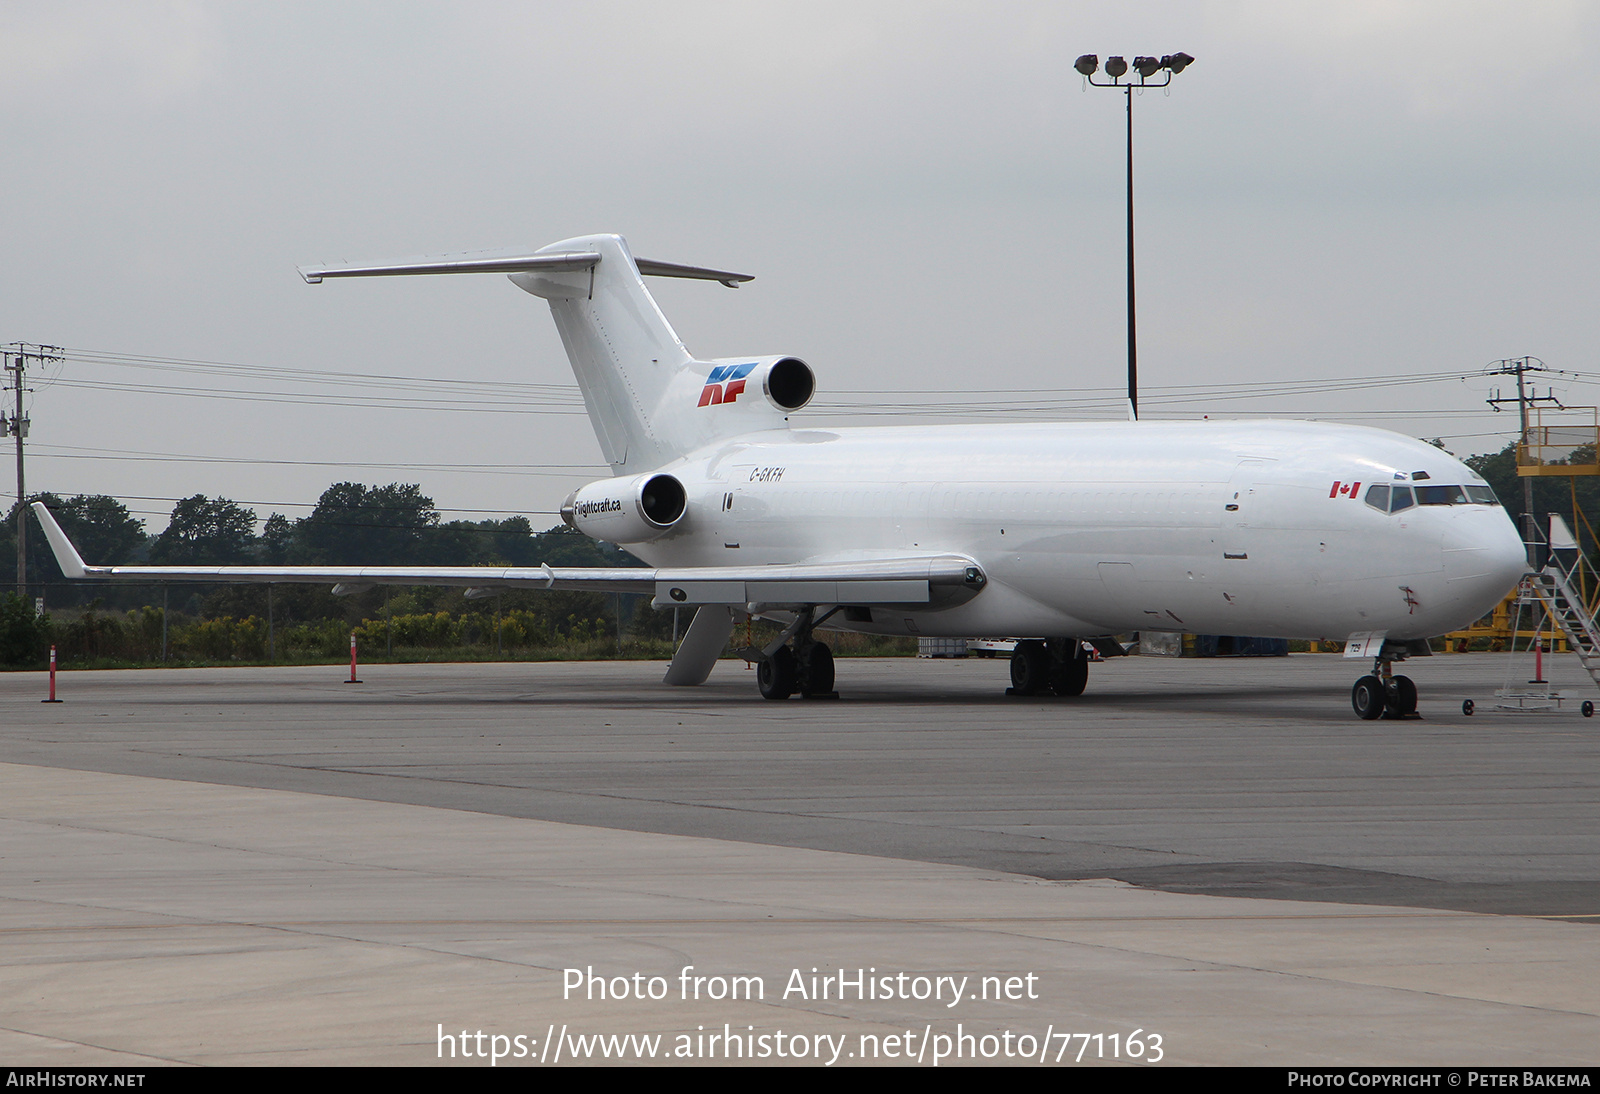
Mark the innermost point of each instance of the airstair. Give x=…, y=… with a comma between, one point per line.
x=1553, y=587
x=1553, y=593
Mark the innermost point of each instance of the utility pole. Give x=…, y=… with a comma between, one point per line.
x=18, y=427
x=16, y=356
x=1526, y=397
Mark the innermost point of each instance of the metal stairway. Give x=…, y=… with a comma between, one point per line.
x=1552, y=587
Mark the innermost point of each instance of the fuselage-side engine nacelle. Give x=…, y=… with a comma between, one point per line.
x=627, y=510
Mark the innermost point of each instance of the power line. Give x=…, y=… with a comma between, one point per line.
x=234, y=369
x=549, y=398
x=79, y=452
x=486, y=405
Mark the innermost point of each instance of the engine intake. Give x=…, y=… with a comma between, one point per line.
x=789, y=383
x=662, y=500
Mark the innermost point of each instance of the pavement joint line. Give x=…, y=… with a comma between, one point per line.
x=172, y=1060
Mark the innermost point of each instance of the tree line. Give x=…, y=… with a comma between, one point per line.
x=351, y=525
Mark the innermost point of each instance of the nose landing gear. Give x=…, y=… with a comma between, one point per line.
x=1383, y=694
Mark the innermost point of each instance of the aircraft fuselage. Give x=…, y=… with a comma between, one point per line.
x=1257, y=528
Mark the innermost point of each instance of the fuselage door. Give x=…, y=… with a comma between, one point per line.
x=1238, y=507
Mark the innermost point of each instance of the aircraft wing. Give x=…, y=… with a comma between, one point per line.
x=862, y=581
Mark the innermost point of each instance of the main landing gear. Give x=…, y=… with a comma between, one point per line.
x=1056, y=665
x=1383, y=694
x=795, y=662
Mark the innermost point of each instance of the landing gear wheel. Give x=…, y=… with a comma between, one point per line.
x=819, y=680
x=1587, y=709
x=1402, y=698
x=1030, y=668
x=1069, y=674
x=1468, y=706
x=776, y=675
x=1367, y=697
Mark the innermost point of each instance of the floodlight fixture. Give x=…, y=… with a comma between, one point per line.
x=1147, y=67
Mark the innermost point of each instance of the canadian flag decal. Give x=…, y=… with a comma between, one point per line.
x=1344, y=489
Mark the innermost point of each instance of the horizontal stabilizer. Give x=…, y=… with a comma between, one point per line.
x=558, y=262
x=651, y=268
x=640, y=383
x=506, y=264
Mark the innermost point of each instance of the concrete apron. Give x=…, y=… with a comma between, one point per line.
x=147, y=921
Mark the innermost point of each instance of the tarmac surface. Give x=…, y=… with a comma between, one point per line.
x=270, y=865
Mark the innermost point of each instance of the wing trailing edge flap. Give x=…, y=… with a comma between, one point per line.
x=856, y=581
x=695, y=592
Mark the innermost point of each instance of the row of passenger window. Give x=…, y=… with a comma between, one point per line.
x=1392, y=499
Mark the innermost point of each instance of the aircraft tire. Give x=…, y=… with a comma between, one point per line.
x=775, y=676
x=1403, y=699
x=1030, y=668
x=1367, y=698
x=820, y=680
x=1070, y=675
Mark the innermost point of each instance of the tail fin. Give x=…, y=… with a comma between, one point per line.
x=623, y=351
x=641, y=385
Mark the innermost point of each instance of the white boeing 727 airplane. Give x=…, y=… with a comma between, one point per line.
x=1061, y=533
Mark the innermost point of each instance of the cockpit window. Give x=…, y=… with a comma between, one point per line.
x=1392, y=499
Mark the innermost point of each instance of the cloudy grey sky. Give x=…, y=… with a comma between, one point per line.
x=929, y=198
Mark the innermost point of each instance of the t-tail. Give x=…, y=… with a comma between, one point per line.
x=649, y=399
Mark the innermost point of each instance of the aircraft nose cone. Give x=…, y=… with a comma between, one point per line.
x=1484, y=558
x=1510, y=558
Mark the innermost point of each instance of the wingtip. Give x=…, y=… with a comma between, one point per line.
x=67, y=556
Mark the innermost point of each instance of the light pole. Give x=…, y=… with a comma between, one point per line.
x=1147, y=68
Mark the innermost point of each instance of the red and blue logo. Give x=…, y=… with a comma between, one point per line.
x=725, y=384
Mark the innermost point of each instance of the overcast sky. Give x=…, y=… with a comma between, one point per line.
x=930, y=199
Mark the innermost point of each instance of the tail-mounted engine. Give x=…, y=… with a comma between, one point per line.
x=709, y=401
x=786, y=383
x=625, y=510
